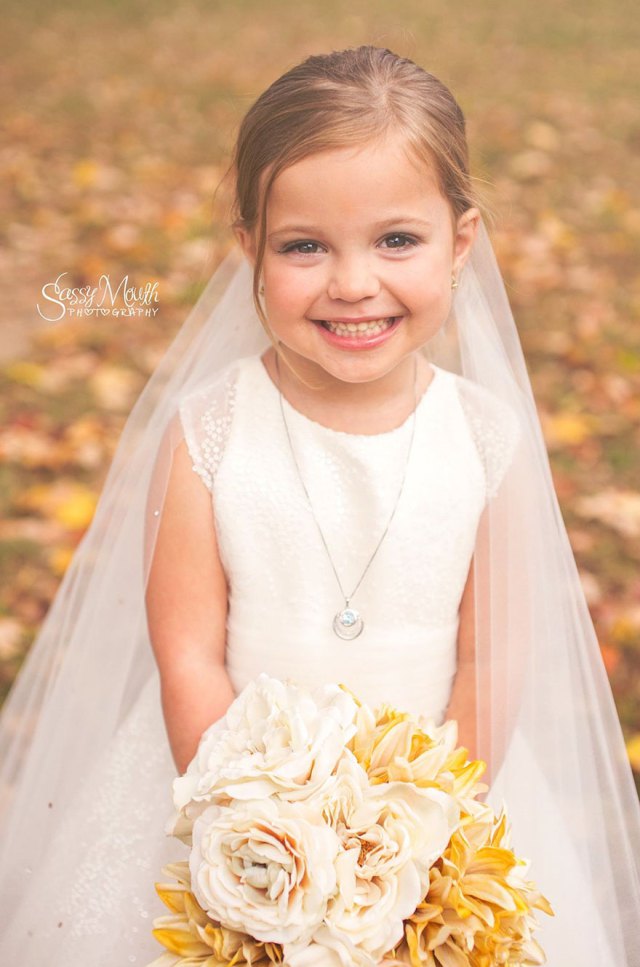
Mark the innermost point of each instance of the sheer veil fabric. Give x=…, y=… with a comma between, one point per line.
x=546, y=720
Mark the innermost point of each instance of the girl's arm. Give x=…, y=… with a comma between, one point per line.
x=511, y=637
x=186, y=601
x=462, y=702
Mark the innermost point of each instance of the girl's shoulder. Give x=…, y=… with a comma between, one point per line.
x=223, y=382
x=206, y=416
x=493, y=424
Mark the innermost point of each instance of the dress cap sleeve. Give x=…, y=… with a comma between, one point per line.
x=206, y=416
x=494, y=428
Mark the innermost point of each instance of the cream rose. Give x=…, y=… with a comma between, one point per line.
x=328, y=950
x=390, y=835
x=264, y=867
x=275, y=738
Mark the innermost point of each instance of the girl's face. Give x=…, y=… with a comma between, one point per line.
x=361, y=248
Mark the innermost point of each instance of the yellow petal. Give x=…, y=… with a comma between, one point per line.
x=179, y=871
x=425, y=912
x=466, y=907
x=418, y=956
x=420, y=743
x=493, y=861
x=534, y=953
x=450, y=955
x=172, y=895
x=179, y=940
x=457, y=760
x=467, y=777
x=194, y=911
x=489, y=889
x=541, y=903
x=500, y=832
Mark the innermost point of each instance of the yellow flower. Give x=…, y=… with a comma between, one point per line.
x=192, y=939
x=395, y=746
x=478, y=910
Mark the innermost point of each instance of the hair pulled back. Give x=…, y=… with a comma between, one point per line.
x=347, y=97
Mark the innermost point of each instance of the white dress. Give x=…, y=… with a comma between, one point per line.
x=283, y=596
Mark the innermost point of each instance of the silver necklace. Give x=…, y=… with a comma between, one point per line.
x=348, y=623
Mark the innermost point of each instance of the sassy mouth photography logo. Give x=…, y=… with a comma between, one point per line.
x=97, y=300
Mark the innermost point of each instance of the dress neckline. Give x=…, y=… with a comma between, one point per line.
x=436, y=379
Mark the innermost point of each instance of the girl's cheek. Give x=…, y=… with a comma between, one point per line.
x=289, y=290
x=428, y=280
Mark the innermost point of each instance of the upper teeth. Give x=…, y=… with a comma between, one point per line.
x=345, y=328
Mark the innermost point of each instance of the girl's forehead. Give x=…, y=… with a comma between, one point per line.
x=380, y=174
x=386, y=156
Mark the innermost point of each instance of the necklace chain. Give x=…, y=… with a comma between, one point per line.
x=349, y=619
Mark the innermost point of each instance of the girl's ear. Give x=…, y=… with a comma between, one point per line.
x=466, y=231
x=247, y=241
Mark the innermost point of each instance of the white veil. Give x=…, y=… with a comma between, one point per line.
x=546, y=721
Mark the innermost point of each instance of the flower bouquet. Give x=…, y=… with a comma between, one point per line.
x=323, y=833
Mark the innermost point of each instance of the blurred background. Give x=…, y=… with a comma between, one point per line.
x=118, y=122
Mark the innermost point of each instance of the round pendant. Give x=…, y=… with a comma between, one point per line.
x=348, y=624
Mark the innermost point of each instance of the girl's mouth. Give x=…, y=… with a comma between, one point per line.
x=359, y=335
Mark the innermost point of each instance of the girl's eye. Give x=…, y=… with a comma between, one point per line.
x=398, y=241
x=301, y=248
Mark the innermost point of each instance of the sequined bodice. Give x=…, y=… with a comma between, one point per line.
x=283, y=593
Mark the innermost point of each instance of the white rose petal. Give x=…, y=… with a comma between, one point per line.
x=327, y=950
x=275, y=738
x=431, y=815
x=391, y=834
x=264, y=867
x=312, y=955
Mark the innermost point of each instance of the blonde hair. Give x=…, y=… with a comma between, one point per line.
x=347, y=97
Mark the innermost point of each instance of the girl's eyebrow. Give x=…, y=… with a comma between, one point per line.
x=403, y=220
x=295, y=230
x=396, y=220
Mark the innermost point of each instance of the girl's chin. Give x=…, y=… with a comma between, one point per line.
x=355, y=341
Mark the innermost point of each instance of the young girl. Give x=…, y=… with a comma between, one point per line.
x=336, y=474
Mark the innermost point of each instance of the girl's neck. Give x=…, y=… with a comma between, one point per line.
x=362, y=408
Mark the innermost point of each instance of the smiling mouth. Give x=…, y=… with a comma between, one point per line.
x=370, y=328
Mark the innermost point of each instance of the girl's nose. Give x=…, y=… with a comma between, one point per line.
x=352, y=279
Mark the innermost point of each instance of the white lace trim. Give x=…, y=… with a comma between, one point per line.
x=494, y=428
x=207, y=415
